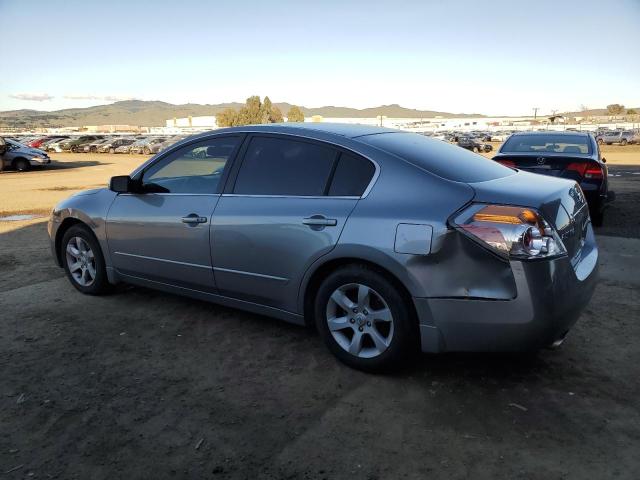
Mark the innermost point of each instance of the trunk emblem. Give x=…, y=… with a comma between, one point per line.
x=541, y=160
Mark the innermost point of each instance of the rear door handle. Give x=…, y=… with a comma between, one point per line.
x=193, y=219
x=320, y=221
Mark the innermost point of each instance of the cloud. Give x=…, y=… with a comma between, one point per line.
x=33, y=97
x=106, y=98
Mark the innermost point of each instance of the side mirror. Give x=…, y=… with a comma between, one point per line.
x=604, y=160
x=121, y=184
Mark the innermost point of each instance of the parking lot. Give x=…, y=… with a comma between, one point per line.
x=142, y=384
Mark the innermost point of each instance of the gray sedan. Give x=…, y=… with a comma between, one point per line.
x=387, y=242
x=21, y=157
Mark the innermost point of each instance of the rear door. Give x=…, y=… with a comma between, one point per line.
x=283, y=208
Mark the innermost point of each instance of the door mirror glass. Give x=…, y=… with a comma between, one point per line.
x=121, y=184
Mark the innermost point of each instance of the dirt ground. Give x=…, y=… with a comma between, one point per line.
x=142, y=384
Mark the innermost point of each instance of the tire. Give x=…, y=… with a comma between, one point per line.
x=623, y=142
x=21, y=165
x=75, y=243
x=146, y=151
x=395, y=329
x=112, y=151
x=74, y=149
x=600, y=141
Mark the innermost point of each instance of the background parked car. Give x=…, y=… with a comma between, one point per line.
x=571, y=155
x=93, y=146
x=22, y=157
x=145, y=145
x=160, y=146
x=139, y=142
x=473, y=144
x=110, y=145
x=622, y=137
x=76, y=144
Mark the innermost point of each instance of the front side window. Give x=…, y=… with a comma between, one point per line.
x=280, y=166
x=196, y=168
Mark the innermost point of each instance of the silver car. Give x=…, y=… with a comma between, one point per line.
x=388, y=242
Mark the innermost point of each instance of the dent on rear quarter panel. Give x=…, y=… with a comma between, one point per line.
x=456, y=266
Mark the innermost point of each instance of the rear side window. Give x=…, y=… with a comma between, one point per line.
x=278, y=166
x=438, y=157
x=352, y=176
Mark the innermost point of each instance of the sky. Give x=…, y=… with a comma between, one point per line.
x=491, y=57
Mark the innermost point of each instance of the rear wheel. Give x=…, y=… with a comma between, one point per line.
x=21, y=165
x=83, y=261
x=600, y=141
x=364, y=320
x=623, y=142
x=112, y=151
x=147, y=151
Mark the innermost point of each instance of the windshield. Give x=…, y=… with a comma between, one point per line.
x=551, y=143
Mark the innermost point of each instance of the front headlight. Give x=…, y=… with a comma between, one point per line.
x=511, y=232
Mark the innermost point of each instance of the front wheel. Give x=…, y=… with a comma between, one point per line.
x=22, y=165
x=364, y=320
x=83, y=261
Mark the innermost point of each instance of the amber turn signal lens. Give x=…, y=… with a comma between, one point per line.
x=506, y=214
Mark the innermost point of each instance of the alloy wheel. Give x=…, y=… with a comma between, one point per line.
x=360, y=320
x=81, y=261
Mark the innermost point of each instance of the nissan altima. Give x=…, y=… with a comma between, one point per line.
x=387, y=242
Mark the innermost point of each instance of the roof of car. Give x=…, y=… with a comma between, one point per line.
x=552, y=132
x=342, y=129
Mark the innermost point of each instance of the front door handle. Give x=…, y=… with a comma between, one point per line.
x=320, y=221
x=194, y=219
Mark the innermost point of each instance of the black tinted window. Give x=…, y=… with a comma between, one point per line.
x=352, y=176
x=196, y=168
x=277, y=166
x=438, y=157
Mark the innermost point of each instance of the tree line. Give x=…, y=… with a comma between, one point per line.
x=255, y=111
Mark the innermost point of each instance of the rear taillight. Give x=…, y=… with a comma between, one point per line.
x=586, y=170
x=511, y=232
x=593, y=172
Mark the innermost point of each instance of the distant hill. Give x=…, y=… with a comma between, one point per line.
x=154, y=113
x=596, y=112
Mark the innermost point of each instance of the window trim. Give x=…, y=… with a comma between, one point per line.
x=239, y=160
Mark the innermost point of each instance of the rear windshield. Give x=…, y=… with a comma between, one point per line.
x=438, y=157
x=547, y=144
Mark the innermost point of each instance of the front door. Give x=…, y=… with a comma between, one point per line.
x=280, y=216
x=162, y=233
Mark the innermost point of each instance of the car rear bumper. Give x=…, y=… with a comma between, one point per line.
x=550, y=297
